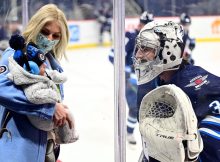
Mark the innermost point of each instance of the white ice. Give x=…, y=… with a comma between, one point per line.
x=89, y=93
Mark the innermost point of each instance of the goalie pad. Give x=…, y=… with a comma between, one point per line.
x=168, y=125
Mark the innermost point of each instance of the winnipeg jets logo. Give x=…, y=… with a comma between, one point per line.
x=3, y=69
x=41, y=57
x=198, y=81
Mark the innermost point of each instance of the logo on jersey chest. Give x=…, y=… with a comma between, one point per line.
x=2, y=69
x=198, y=81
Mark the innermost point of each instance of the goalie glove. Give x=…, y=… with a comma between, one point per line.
x=168, y=125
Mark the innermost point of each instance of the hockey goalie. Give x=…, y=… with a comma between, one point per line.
x=168, y=126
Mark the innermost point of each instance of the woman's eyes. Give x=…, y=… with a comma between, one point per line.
x=56, y=36
x=47, y=33
x=44, y=32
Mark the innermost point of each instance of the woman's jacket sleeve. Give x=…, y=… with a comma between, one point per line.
x=13, y=98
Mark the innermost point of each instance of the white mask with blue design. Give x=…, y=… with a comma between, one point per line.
x=45, y=44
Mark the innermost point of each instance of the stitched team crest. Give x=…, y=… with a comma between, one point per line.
x=198, y=81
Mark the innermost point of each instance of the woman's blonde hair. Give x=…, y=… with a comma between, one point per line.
x=45, y=14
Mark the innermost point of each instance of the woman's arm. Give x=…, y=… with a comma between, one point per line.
x=12, y=97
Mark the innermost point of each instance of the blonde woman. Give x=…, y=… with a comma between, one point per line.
x=19, y=139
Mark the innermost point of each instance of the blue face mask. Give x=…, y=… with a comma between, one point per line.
x=44, y=44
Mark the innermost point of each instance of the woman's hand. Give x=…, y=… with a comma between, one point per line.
x=61, y=115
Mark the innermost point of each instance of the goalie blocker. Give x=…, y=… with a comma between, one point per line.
x=168, y=126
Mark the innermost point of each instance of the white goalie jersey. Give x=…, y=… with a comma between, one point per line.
x=168, y=125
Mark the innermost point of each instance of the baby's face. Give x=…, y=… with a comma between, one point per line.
x=42, y=69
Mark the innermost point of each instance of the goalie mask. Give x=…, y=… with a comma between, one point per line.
x=158, y=48
x=168, y=125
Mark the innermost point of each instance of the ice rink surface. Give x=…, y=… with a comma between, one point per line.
x=89, y=93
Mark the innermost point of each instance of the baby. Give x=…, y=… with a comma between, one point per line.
x=40, y=87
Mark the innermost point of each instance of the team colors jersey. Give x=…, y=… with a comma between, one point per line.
x=203, y=89
x=188, y=41
x=129, y=48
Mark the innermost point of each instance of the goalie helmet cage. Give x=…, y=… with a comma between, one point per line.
x=119, y=80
